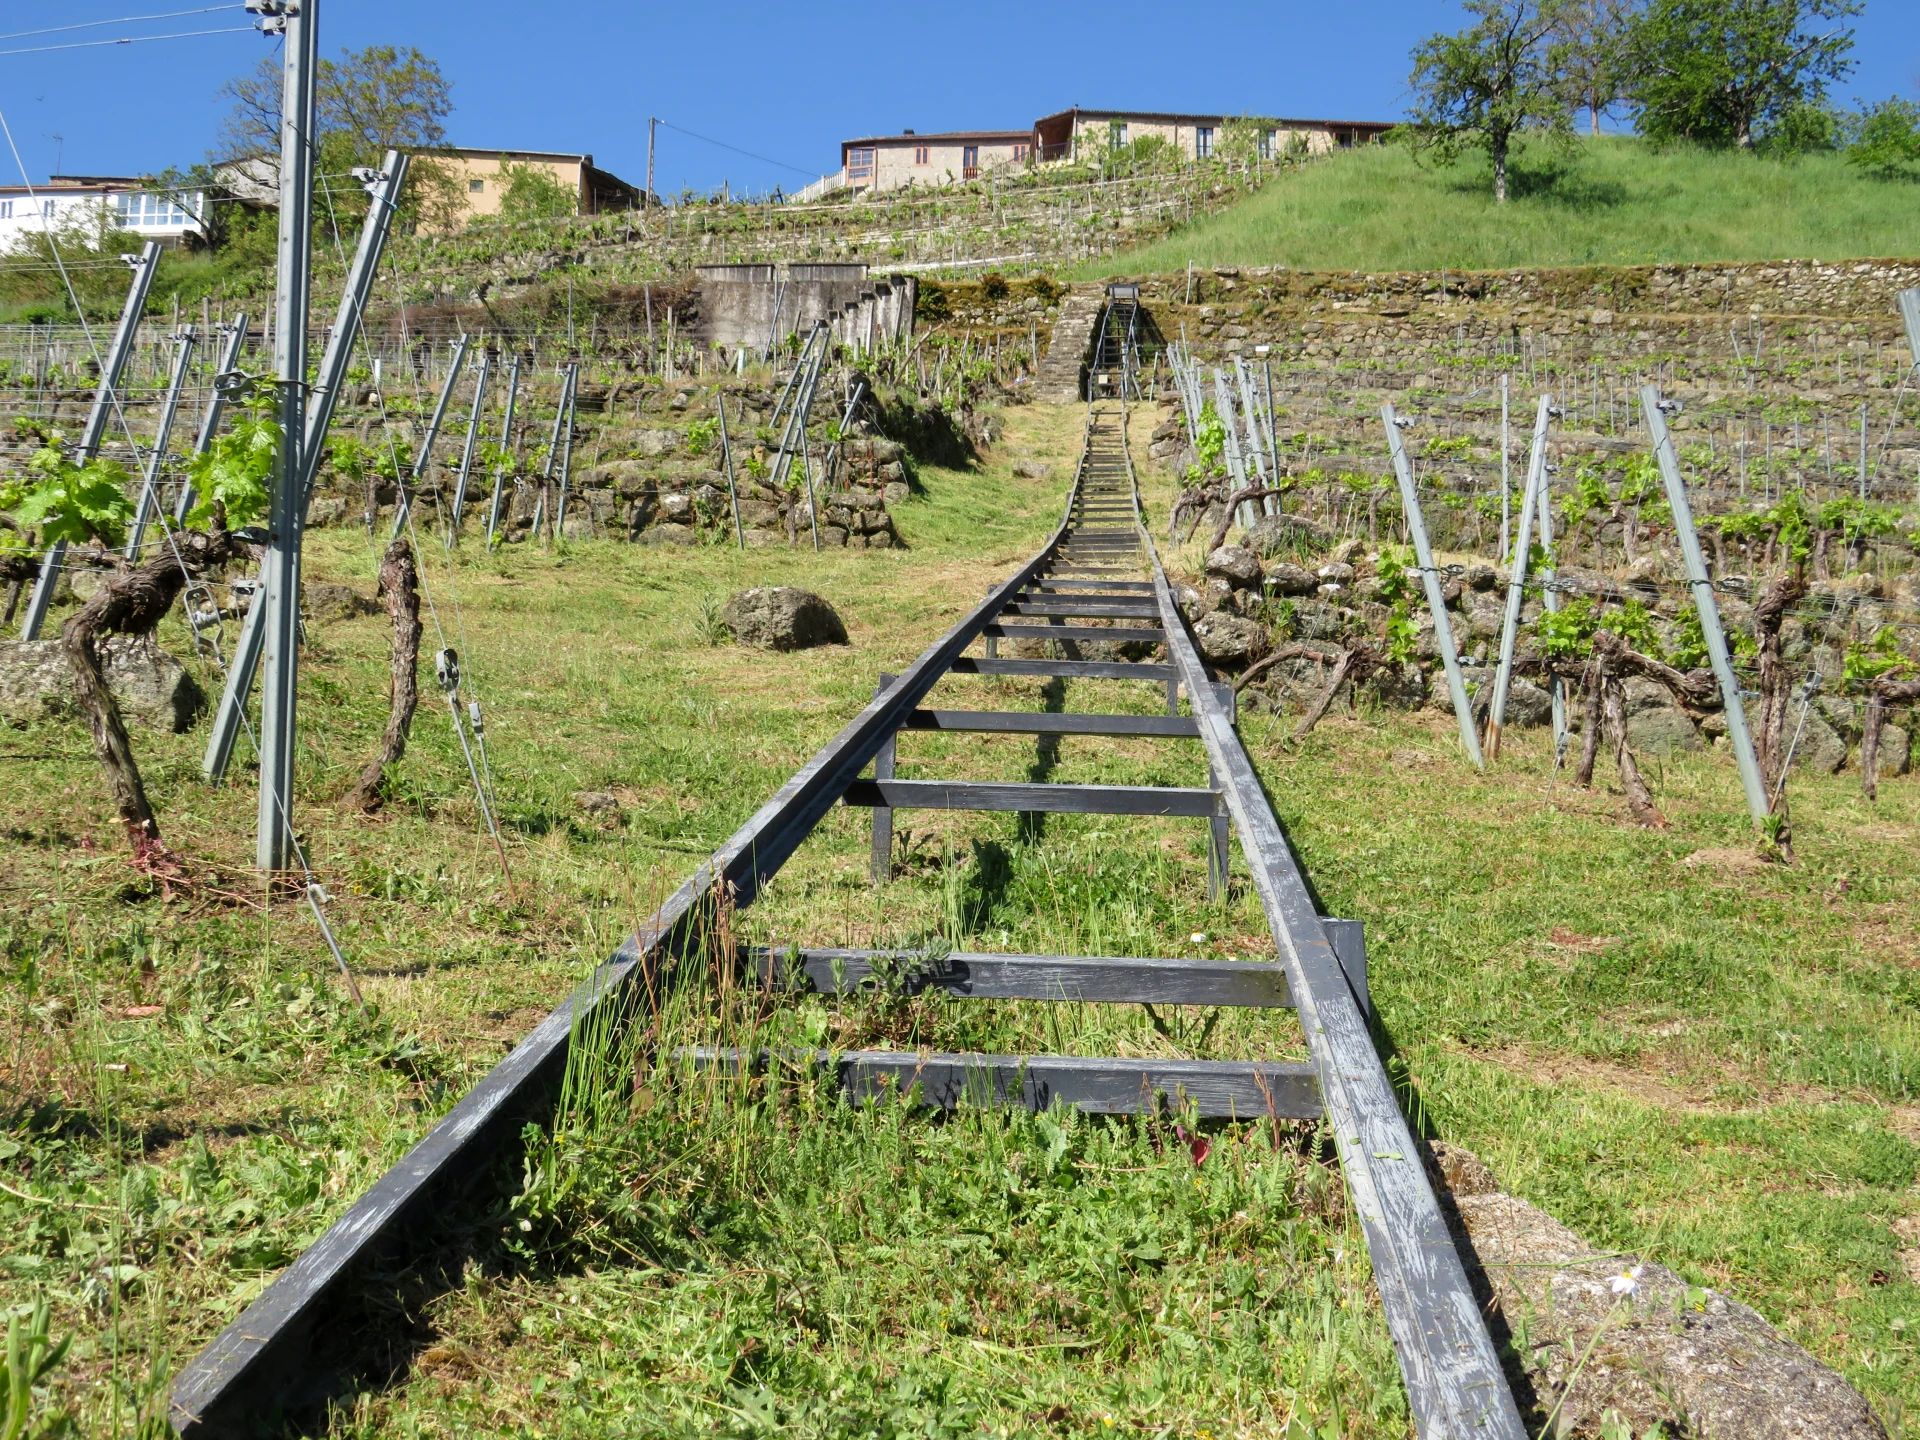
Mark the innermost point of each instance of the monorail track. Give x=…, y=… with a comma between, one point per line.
x=1100, y=565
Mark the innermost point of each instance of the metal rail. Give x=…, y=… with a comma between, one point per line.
x=1102, y=556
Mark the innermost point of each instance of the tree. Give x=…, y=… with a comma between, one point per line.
x=1732, y=72
x=1485, y=87
x=1592, y=37
x=365, y=103
x=1884, y=140
x=529, y=192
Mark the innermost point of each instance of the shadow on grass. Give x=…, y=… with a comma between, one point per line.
x=1547, y=181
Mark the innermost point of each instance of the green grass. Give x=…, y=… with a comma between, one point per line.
x=1719, y=1070
x=1615, y=202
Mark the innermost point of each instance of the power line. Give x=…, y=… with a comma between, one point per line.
x=120, y=20
x=130, y=40
x=764, y=159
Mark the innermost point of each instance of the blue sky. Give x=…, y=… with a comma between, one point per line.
x=785, y=83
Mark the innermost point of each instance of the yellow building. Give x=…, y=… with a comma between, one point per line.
x=482, y=181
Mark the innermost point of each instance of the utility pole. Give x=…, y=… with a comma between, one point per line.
x=105, y=402
x=652, y=124
x=279, y=596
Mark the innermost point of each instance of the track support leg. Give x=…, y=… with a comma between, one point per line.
x=883, y=818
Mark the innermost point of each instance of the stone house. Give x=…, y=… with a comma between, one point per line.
x=1068, y=134
x=893, y=162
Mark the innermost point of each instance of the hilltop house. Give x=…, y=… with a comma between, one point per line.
x=892, y=162
x=95, y=201
x=479, y=175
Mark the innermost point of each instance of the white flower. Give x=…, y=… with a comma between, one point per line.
x=1626, y=1282
x=1197, y=938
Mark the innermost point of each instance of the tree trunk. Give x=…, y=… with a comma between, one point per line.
x=1590, y=740
x=132, y=603
x=1355, y=664
x=1639, y=798
x=1870, y=748
x=400, y=583
x=1500, y=170
x=1775, y=735
x=1883, y=691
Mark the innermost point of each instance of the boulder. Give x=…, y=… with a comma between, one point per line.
x=895, y=491
x=1481, y=577
x=1821, y=748
x=1665, y=730
x=1032, y=470
x=759, y=513
x=1528, y=706
x=152, y=688
x=780, y=617
x=1236, y=565
x=1896, y=750
x=757, y=538
x=1289, y=579
x=1273, y=535
x=1399, y=687
x=667, y=535
x=320, y=600
x=1596, y=1331
x=652, y=444
x=1228, y=640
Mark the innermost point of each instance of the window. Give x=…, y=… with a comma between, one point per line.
x=1203, y=142
x=1019, y=152
x=969, y=161
x=860, y=163
x=1117, y=135
x=46, y=208
x=919, y=154
x=6, y=209
x=476, y=187
x=1343, y=138
x=150, y=212
x=1266, y=143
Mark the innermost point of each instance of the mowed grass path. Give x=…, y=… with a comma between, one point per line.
x=1616, y=201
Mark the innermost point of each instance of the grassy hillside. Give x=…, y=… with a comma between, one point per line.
x=1613, y=202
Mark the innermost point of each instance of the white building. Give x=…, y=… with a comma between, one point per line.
x=88, y=202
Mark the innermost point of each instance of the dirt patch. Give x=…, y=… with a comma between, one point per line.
x=1667, y=1092
x=1731, y=861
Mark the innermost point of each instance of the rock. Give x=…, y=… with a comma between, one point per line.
x=1032, y=470
x=681, y=401
x=1528, y=706
x=597, y=802
x=1399, y=687
x=1229, y=640
x=1689, y=1358
x=652, y=444
x=667, y=535
x=1481, y=577
x=881, y=540
x=1316, y=620
x=895, y=491
x=325, y=510
x=779, y=617
x=320, y=600
x=1896, y=750
x=1664, y=730
x=758, y=538
x=1290, y=579
x=1273, y=535
x=833, y=537
x=1337, y=572
x=759, y=513
x=1820, y=749
x=1236, y=565
x=677, y=507
x=152, y=688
